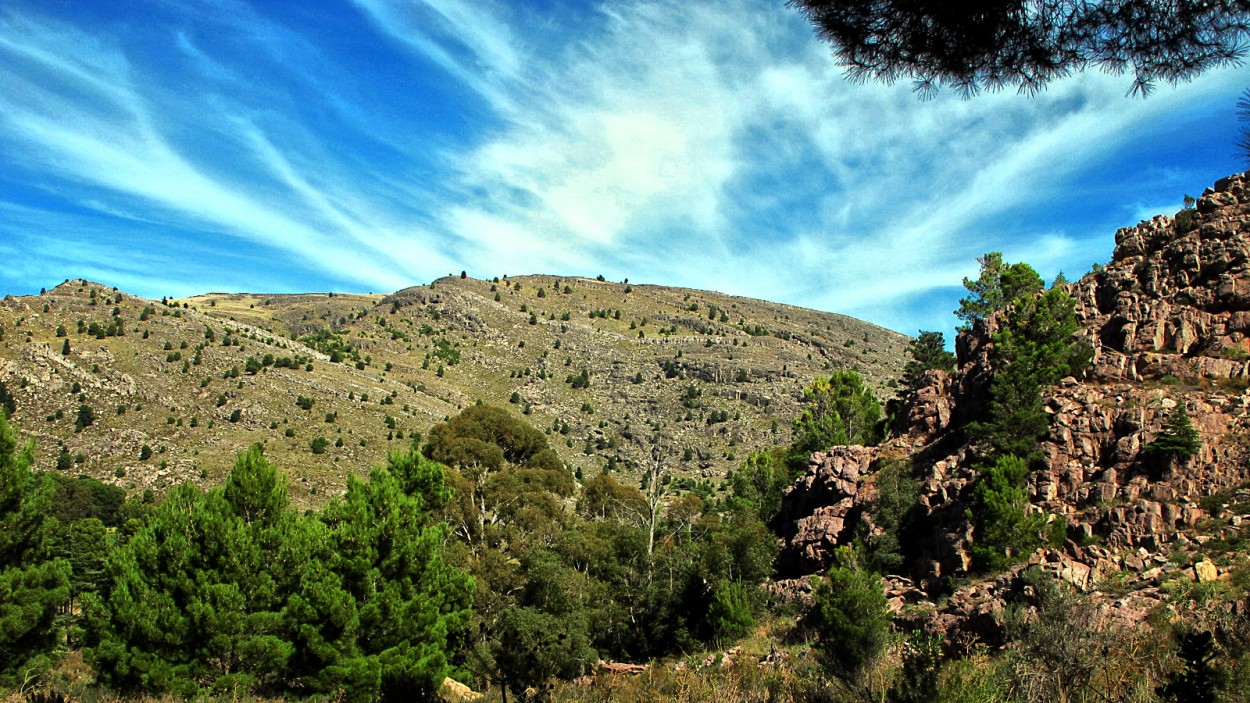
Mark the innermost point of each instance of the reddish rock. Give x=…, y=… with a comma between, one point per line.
x=1169, y=323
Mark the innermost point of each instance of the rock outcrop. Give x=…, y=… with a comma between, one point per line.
x=1169, y=323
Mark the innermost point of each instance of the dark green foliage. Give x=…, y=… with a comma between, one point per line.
x=196, y=597
x=1005, y=530
x=396, y=601
x=999, y=285
x=893, y=515
x=849, y=616
x=84, y=497
x=928, y=351
x=85, y=418
x=1178, y=438
x=760, y=482
x=7, y=402
x=318, y=445
x=234, y=591
x=840, y=410
x=33, y=585
x=741, y=550
x=579, y=380
x=603, y=497
x=1034, y=349
x=729, y=614
x=85, y=544
x=1004, y=45
x=539, y=646
x=461, y=441
x=1196, y=680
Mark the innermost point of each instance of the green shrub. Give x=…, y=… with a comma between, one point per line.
x=1005, y=530
x=729, y=613
x=849, y=616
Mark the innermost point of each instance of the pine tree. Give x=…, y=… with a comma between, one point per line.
x=928, y=351
x=850, y=616
x=197, y=597
x=1035, y=348
x=1178, y=438
x=999, y=285
x=33, y=586
x=399, y=601
x=1005, y=530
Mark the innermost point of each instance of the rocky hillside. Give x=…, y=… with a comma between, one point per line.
x=607, y=369
x=1169, y=322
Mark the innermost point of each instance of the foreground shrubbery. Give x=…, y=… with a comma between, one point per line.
x=234, y=590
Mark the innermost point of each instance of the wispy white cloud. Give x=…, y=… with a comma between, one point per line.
x=707, y=145
x=649, y=132
x=115, y=140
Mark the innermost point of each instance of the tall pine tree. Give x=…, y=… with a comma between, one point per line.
x=33, y=586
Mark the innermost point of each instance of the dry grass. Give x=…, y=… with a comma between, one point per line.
x=755, y=380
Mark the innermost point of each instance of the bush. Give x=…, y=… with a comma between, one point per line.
x=729, y=614
x=1005, y=530
x=1178, y=438
x=849, y=616
x=318, y=445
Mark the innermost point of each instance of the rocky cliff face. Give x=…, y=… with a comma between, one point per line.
x=1169, y=322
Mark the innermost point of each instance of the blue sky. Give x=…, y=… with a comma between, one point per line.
x=175, y=148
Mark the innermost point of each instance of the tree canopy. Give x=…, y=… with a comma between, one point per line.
x=995, y=44
x=840, y=410
x=928, y=351
x=234, y=590
x=999, y=284
x=33, y=586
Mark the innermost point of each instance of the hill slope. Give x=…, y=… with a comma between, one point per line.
x=706, y=376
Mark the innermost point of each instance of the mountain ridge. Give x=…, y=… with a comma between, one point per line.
x=707, y=376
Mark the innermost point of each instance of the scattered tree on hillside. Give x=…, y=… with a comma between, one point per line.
x=85, y=418
x=7, y=402
x=995, y=44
